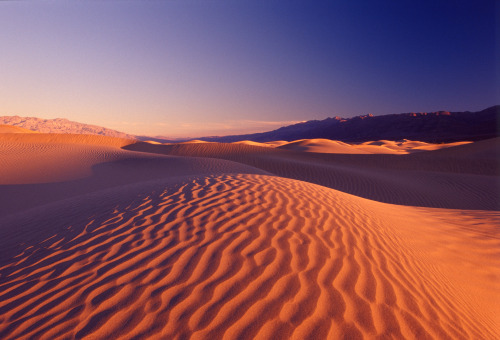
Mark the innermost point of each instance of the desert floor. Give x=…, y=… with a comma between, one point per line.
x=105, y=238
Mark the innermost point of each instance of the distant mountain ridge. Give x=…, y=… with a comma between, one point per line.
x=61, y=125
x=434, y=127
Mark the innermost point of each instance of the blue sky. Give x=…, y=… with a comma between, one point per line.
x=194, y=68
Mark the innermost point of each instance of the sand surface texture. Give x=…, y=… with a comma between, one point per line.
x=238, y=241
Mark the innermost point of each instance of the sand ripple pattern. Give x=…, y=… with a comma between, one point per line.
x=228, y=256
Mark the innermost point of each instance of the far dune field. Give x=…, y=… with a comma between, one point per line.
x=109, y=238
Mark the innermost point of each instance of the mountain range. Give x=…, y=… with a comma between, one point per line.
x=61, y=125
x=434, y=127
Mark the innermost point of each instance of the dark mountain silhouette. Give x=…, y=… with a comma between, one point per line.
x=435, y=127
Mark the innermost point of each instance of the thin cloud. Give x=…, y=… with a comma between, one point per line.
x=271, y=123
x=199, y=129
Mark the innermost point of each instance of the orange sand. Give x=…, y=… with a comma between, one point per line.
x=240, y=244
x=378, y=147
x=14, y=129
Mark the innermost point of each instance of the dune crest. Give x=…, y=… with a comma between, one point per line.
x=249, y=142
x=321, y=146
x=402, y=147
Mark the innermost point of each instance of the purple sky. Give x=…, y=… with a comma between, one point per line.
x=193, y=68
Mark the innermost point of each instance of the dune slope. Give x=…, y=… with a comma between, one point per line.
x=38, y=168
x=321, y=146
x=245, y=256
x=461, y=177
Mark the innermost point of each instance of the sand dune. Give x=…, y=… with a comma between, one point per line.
x=441, y=179
x=140, y=245
x=377, y=147
x=41, y=168
x=14, y=129
x=249, y=142
x=409, y=146
x=194, y=141
x=321, y=146
x=248, y=256
x=39, y=158
x=488, y=149
x=276, y=143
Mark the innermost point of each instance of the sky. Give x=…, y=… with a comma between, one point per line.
x=201, y=68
